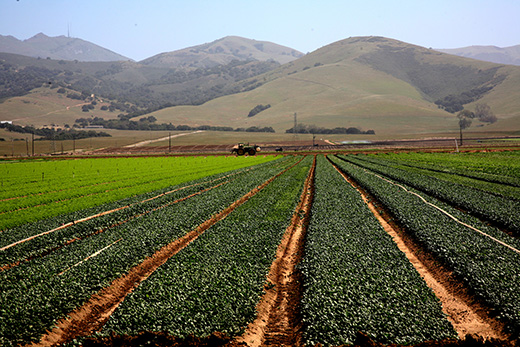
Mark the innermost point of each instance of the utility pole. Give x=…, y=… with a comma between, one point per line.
x=33, y=144
x=169, y=142
x=295, y=126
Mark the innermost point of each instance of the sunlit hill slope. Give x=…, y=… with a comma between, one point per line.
x=368, y=82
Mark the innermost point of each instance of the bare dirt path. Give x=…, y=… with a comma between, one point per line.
x=278, y=322
x=93, y=314
x=466, y=314
x=147, y=142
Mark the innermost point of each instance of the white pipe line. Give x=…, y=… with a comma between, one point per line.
x=447, y=214
x=89, y=257
x=111, y=211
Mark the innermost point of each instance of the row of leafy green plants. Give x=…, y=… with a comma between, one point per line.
x=47, y=175
x=495, y=208
x=489, y=269
x=462, y=173
x=59, y=187
x=215, y=283
x=120, y=211
x=356, y=278
x=501, y=167
x=36, y=293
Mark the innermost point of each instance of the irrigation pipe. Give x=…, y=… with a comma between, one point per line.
x=447, y=214
x=114, y=210
x=89, y=257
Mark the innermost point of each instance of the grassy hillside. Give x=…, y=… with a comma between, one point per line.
x=372, y=83
x=45, y=106
x=147, y=87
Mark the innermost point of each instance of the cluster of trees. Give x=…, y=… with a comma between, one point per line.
x=455, y=103
x=149, y=123
x=257, y=109
x=236, y=70
x=20, y=81
x=312, y=129
x=54, y=134
x=482, y=112
x=186, y=86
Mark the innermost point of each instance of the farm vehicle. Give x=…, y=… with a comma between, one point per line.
x=243, y=148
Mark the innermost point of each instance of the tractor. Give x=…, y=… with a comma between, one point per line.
x=243, y=148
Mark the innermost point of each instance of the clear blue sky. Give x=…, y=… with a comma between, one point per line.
x=139, y=29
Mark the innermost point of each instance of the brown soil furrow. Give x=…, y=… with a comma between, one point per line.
x=278, y=321
x=93, y=314
x=448, y=214
x=466, y=314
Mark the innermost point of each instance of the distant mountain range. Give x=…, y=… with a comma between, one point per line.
x=369, y=82
x=506, y=55
x=60, y=47
x=219, y=52
x=376, y=83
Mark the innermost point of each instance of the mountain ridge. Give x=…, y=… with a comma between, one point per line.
x=368, y=82
x=223, y=51
x=500, y=55
x=58, y=47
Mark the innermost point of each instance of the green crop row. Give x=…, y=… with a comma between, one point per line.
x=356, y=278
x=490, y=269
x=497, y=209
x=129, y=208
x=35, y=294
x=63, y=186
x=496, y=184
x=500, y=167
x=215, y=283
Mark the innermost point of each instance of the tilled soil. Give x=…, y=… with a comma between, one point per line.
x=221, y=340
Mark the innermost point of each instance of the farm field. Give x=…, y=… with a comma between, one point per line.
x=39, y=189
x=265, y=250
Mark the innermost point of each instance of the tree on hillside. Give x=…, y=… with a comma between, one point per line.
x=484, y=114
x=465, y=117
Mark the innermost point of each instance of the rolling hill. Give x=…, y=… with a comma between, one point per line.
x=174, y=78
x=60, y=47
x=499, y=55
x=223, y=52
x=369, y=82
x=373, y=83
